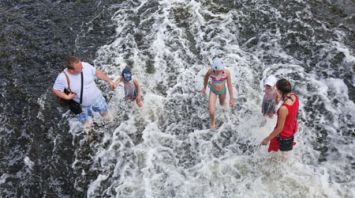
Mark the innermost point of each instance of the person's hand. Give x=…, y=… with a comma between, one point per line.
x=70, y=96
x=231, y=102
x=112, y=84
x=139, y=101
x=265, y=141
x=203, y=91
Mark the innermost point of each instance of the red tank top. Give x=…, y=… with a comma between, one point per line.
x=291, y=125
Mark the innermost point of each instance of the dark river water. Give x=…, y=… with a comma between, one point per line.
x=44, y=155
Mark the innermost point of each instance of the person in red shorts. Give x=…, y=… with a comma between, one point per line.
x=281, y=138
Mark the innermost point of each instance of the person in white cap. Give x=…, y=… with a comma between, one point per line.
x=219, y=76
x=268, y=107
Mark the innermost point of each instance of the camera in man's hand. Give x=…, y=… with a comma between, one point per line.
x=73, y=105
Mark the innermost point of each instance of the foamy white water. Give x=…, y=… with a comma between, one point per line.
x=167, y=150
x=28, y=162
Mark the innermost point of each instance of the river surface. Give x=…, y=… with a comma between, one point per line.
x=166, y=149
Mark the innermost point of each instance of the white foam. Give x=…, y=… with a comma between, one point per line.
x=28, y=162
x=3, y=178
x=95, y=184
x=149, y=154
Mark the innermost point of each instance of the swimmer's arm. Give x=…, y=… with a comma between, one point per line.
x=103, y=76
x=118, y=81
x=280, y=125
x=230, y=88
x=136, y=84
x=205, y=79
x=229, y=84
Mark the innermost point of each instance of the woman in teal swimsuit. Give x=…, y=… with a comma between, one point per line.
x=217, y=86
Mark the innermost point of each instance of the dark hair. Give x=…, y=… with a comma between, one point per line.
x=70, y=60
x=284, y=86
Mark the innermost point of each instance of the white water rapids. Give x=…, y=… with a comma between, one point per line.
x=167, y=150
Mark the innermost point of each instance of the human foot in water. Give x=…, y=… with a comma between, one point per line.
x=87, y=125
x=212, y=125
x=224, y=108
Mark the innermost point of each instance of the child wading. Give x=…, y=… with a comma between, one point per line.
x=132, y=90
x=268, y=107
x=219, y=77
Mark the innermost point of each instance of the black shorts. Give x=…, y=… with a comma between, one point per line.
x=286, y=144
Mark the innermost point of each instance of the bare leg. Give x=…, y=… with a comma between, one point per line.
x=107, y=116
x=222, y=99
x=103, y=114
x=212, y=108
x=87, y=125
x=285, y=155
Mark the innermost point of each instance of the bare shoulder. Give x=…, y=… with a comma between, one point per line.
x=283, y=110
x=228, y=73
x=292, y=100
x=209, y=71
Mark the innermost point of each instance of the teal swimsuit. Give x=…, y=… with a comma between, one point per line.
x=217, y=92
x=219, y=81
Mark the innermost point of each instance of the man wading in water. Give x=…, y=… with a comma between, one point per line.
x=92, y=100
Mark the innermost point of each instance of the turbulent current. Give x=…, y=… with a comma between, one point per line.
x=166, y=149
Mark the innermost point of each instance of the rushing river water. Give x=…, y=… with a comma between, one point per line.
x=166, y=149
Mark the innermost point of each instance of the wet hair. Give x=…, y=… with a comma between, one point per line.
x=284, y=86
x=70, y=60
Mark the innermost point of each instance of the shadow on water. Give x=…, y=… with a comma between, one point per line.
x=34, y=38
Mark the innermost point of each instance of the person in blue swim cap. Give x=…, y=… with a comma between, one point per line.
x=218, y=76
x=131, y=86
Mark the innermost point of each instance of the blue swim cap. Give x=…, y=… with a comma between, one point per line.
x=126, y=74
x=217, y=64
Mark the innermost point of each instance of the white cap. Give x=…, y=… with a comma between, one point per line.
x=271, y=80
x=217, y=64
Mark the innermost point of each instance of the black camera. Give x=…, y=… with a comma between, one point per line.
x=73, y=105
